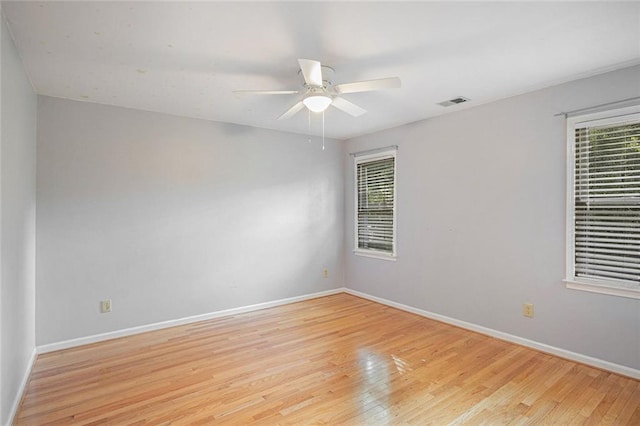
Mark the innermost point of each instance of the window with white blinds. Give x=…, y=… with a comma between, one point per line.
x=605, y=201
x=375, y=204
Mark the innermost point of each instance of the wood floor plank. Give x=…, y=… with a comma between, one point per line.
x=333, y=360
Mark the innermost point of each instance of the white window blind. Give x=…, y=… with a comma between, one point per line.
x=606, y=201
x=375, y=204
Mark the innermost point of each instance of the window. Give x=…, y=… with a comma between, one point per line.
x=375, y=204
x=603, y=197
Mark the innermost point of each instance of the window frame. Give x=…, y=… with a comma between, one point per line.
x=380, y=154
x=611, y=287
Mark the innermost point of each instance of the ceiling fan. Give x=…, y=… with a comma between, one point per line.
x=318, y=92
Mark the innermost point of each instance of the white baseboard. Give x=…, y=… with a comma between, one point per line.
x=23, y=386
x=180, y=321
x=563, y=353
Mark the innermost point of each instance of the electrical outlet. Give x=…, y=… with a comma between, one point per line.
x=325, y=273
x=105, y=306
x=527, y=310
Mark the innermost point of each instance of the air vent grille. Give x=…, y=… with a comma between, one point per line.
x=454, y=101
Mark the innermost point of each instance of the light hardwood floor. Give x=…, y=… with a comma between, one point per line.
x=338, y=359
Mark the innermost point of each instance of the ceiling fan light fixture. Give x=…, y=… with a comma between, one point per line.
x=317, y=103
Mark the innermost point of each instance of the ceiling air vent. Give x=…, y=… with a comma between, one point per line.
x=454, y=101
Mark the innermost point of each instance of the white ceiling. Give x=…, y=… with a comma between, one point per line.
x=186, y=58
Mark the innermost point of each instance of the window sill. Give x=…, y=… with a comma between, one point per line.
x=604, y=288
x=375, y=255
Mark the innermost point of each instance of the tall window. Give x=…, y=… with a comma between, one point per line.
x=604, y=203
x=375, y=231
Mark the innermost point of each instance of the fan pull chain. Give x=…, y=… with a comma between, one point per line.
x=309, y=122
x=323, y=130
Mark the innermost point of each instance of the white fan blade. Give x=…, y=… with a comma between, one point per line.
x=312, y=72
x=291, y=111
x=366, y=86
x=266, y=92
x=348, y=107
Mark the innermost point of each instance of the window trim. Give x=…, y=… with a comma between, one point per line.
x=364, y=158
x=610, y=287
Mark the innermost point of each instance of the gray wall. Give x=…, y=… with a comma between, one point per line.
x=481, y=222
x=17, y=225
x=172, y=217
